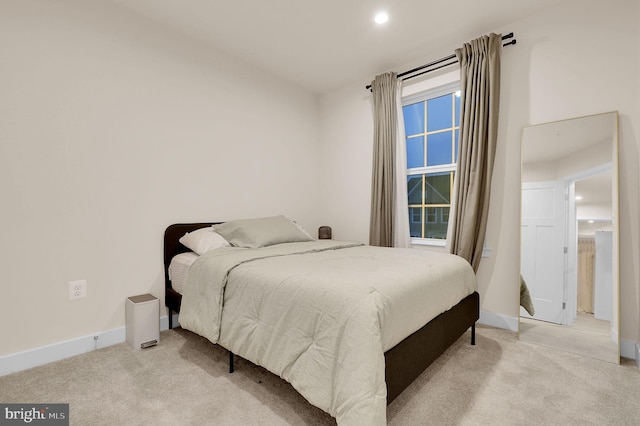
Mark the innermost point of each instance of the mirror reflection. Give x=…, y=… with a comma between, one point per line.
x=569, y=238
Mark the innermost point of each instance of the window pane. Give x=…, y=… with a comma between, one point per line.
x=439, y=149
x=415, y=152
x=414, y=187
x=415, y=222
x=439, y=113
x=413, y=118
x=436, y=223
x=438, y=188
x=457, y=144
x=430, y=215
x=457, y=111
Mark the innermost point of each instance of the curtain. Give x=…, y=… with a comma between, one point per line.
x=479, y=106
x=586, y=256
x=385, y=121
x=401, y=233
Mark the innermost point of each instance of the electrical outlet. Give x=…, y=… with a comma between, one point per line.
x=77, y=289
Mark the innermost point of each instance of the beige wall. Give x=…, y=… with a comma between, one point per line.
x=635, y=238
x=112, y=128
x=565, y=64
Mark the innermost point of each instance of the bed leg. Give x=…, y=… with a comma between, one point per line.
x=170, y=319
x=230, y=362
x=473, y=333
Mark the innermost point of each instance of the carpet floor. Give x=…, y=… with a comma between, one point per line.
x=185, y=381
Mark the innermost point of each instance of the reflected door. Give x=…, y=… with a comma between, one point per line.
x=542, y=251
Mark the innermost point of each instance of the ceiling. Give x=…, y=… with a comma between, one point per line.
x=322, y=45
x=596, y=191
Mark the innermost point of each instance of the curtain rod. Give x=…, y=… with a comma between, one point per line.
x=451, y=58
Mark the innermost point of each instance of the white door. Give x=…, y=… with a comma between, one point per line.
x=542, y=251
x=571, y=257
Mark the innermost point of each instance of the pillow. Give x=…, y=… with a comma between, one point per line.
x=262, y=232
x=203, y=240
x=304, y=231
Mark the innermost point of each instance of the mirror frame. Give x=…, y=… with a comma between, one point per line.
x=615, y=217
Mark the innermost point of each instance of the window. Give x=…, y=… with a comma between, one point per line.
x=431, y=121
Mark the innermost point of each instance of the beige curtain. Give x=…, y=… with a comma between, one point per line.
x=586, y=257
x=401, y=231
x=381, y=226
x=479, y=106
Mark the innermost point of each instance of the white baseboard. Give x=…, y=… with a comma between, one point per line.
x=164, y=322
x=45, y=354
x=629, y=349
x=24, y=360
x=499, y=321
x=19, y=361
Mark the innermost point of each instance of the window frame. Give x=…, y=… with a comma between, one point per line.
x=423, y=96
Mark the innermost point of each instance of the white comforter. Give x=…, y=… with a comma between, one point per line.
x=321, y=314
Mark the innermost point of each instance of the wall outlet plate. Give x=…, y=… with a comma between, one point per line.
x=77, y=289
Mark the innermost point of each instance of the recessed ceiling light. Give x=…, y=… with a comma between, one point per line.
x=578, y=197
x=381, y=18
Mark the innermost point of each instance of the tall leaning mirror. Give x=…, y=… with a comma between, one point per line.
x=569, y=236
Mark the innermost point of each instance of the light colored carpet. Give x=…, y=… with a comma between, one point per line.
x=587, y=336
x=184, y=381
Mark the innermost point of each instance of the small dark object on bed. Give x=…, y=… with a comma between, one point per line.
x=324, y=233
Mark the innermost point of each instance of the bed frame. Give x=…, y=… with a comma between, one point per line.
x=403, y=363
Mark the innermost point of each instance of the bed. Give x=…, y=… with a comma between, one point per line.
x=403, y=361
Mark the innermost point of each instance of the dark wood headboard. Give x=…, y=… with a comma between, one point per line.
x=172, y=247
